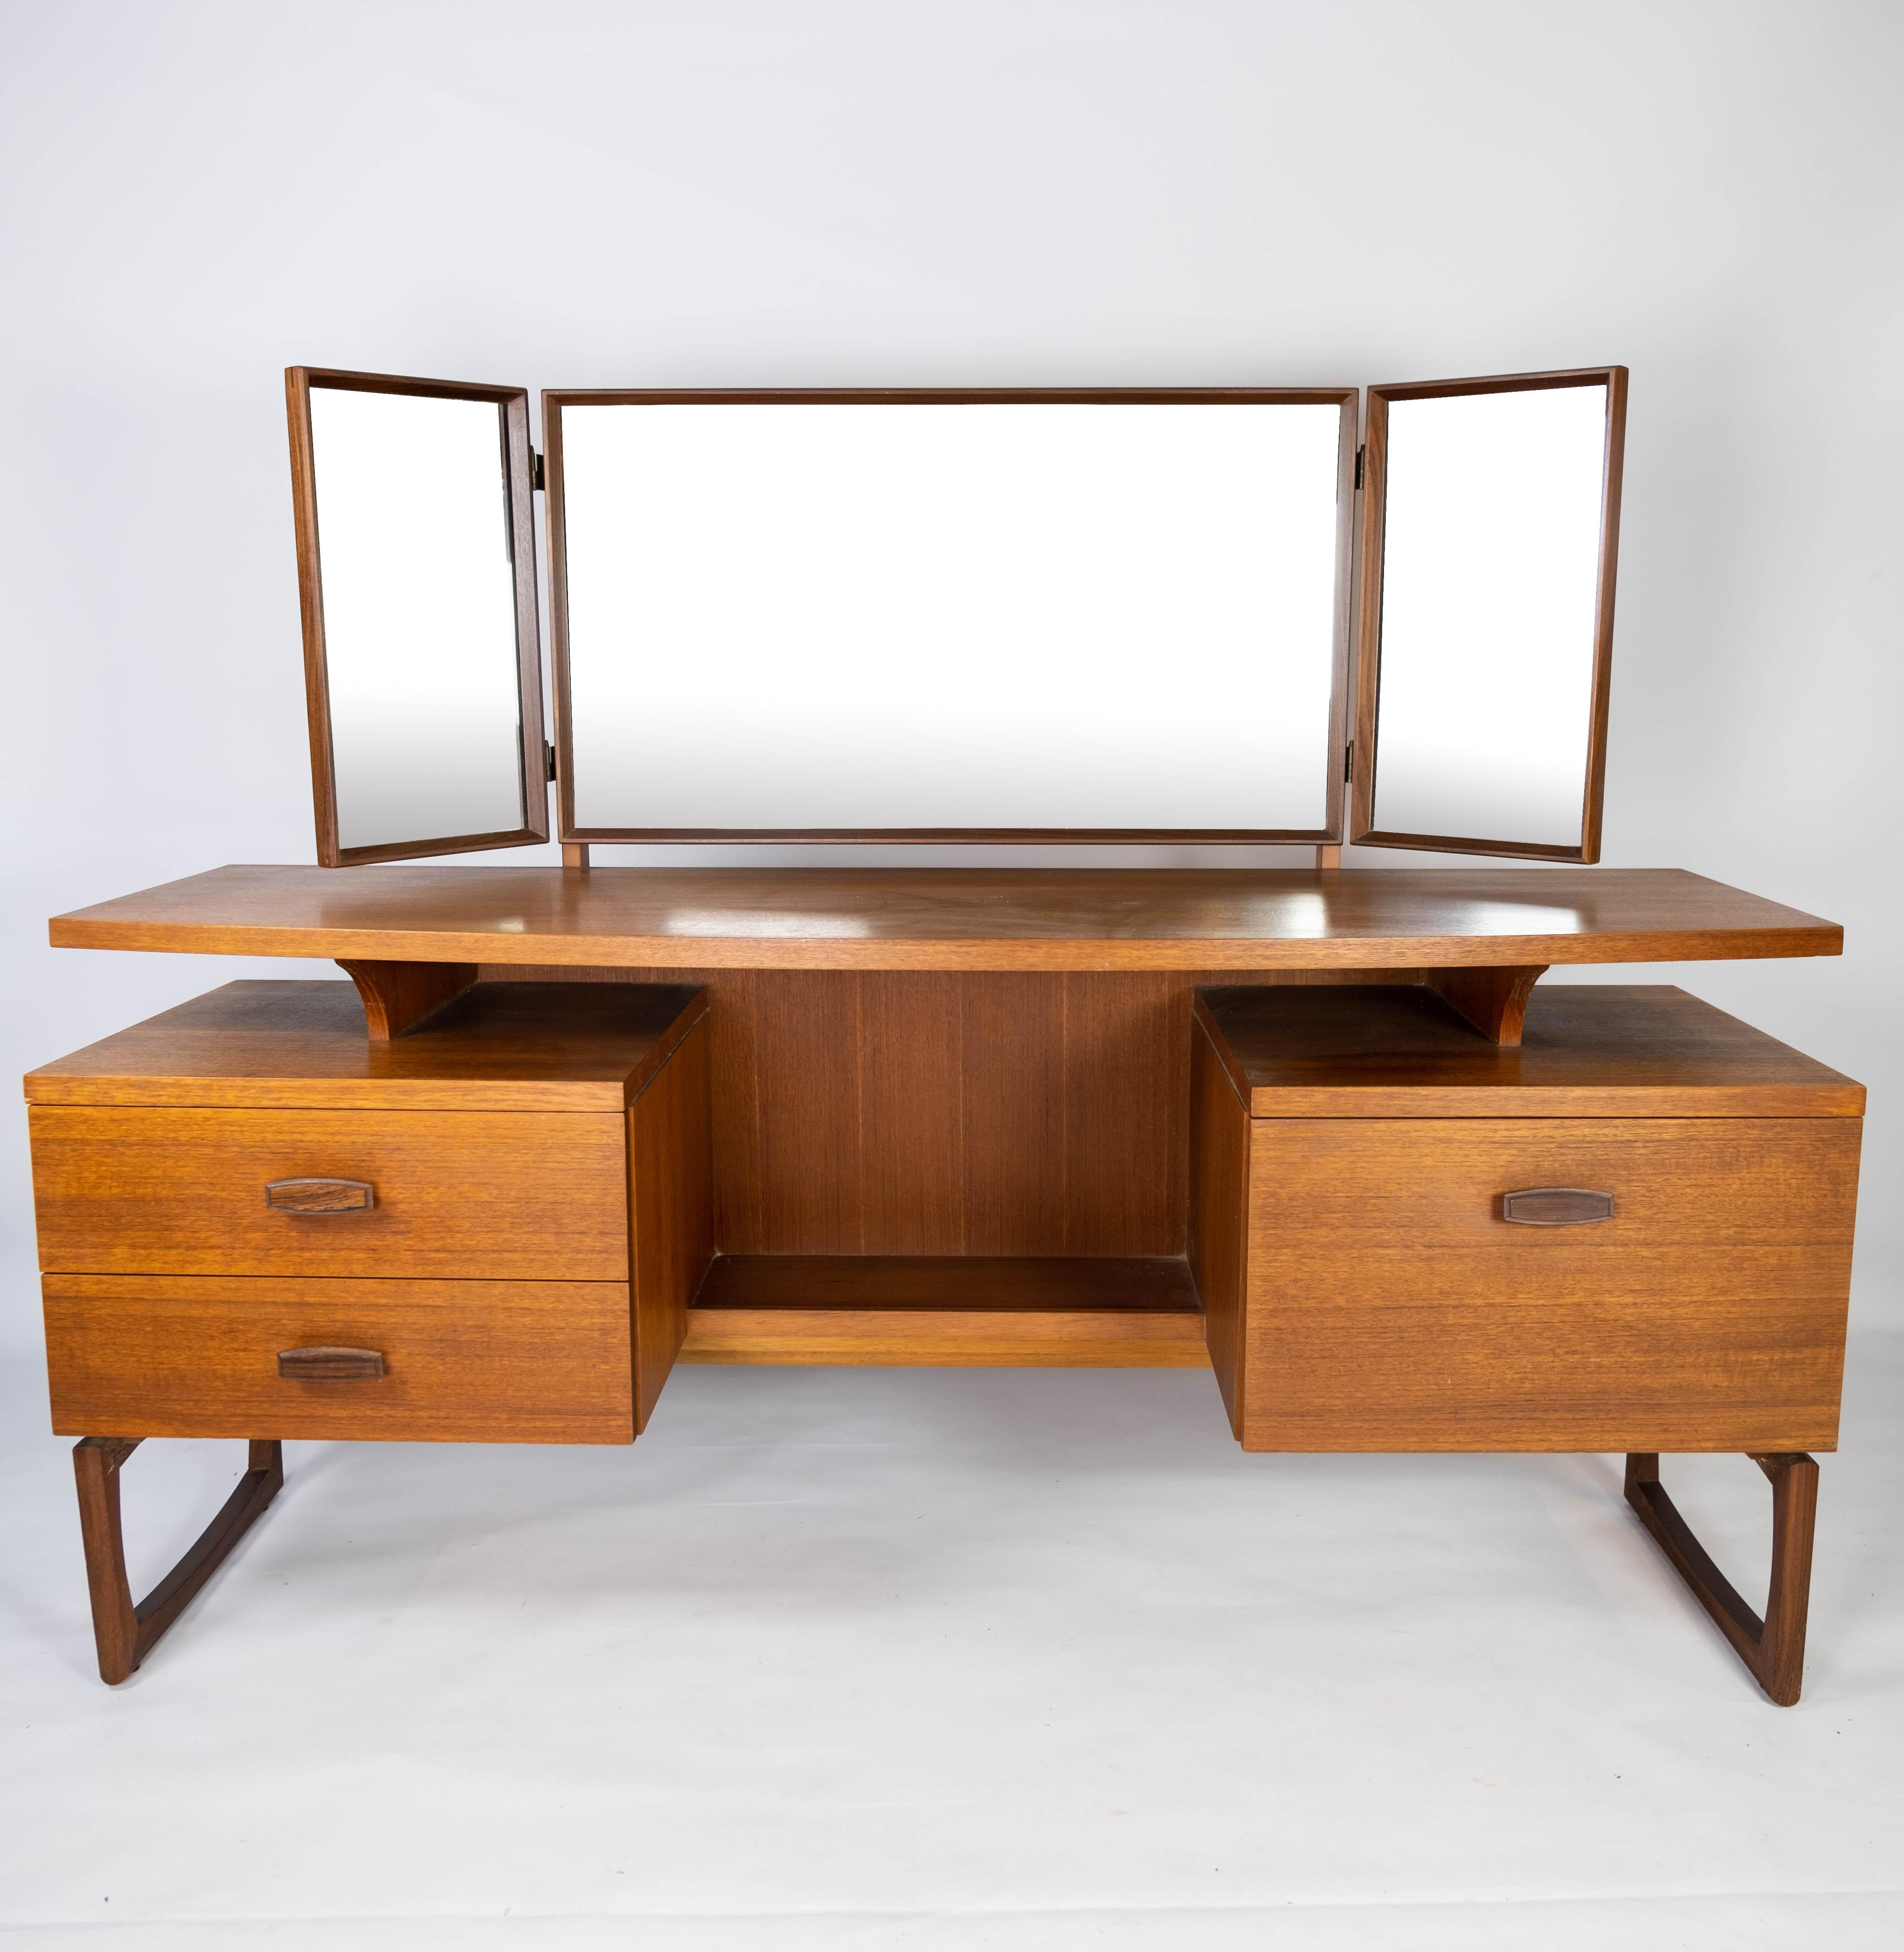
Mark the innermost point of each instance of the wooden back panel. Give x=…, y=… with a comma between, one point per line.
x=929, y=1112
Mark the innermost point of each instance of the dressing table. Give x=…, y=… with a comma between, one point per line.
x=555, y=1130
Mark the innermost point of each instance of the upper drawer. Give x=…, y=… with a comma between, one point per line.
x=467, y=1195
x=1650, y=1205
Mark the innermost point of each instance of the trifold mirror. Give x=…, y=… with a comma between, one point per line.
x=1082, y=615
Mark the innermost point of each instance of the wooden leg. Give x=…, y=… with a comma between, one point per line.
x=127, y=1633
x=1774, y=1648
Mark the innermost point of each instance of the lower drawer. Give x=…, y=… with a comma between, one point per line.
x=462, y=1361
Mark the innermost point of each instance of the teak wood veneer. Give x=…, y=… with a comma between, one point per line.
x=956, y=918
x=1321, y=1132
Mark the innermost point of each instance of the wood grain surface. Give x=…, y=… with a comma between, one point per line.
x=1011, y=1283
x=983, y=1312
x=558, y=1046
x=670, y=1206
x=472, y=1362
x=1093, y=919
x=525, y=1196
x=1390, y=1309
x=1588, y=1050
x=924, y=1113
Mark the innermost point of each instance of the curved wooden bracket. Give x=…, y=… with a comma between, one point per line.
x=1773, y=1648
x=126, y=1634
x=1495, y=1001
x=398, y=996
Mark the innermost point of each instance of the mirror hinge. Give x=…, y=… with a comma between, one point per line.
x=548, y=760
x=1349, y=761
x=1359, y=452
x=535, y=483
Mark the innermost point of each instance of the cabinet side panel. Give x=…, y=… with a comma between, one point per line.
x=1219, y=1216
x=671, y=1169
x=1392, y=1308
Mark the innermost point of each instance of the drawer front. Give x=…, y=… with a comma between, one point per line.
x=462, y=1361
x=1392, y=1304
x=492, y=1196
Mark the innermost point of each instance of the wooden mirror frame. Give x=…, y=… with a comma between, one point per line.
x=1366, y=754
x=1330, y=833
x=514, y=401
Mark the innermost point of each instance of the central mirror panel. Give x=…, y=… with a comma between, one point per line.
x=994, y=616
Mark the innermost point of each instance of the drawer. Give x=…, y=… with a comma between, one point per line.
x=1391, y=1305
x=464, y=1362
x=492, y=1196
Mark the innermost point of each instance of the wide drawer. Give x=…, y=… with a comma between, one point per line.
x=464, y=1362
x=1392, y=1304
x=516, y=1195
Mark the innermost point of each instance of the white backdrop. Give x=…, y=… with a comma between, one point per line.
x=951, y=192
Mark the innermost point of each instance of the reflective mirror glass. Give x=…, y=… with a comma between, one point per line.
x=420, y=616
x=1489, y=595
x=797, y=616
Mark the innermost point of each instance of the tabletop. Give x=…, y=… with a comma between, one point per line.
x=954, y=918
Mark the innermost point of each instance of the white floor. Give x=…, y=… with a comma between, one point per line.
x=920, y=1659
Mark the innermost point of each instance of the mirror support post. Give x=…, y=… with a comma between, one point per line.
x=575, y=853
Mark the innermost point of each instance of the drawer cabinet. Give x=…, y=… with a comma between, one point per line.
x=493, y=1270
x=1369, y=1284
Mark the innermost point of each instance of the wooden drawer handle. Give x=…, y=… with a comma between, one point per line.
x=1555, y=1206
x=319, y=1196
x=330, y=1366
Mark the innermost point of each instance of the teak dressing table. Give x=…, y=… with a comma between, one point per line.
x=1316, y=1129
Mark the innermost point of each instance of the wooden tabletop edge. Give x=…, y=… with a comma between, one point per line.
x=1078, y=952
